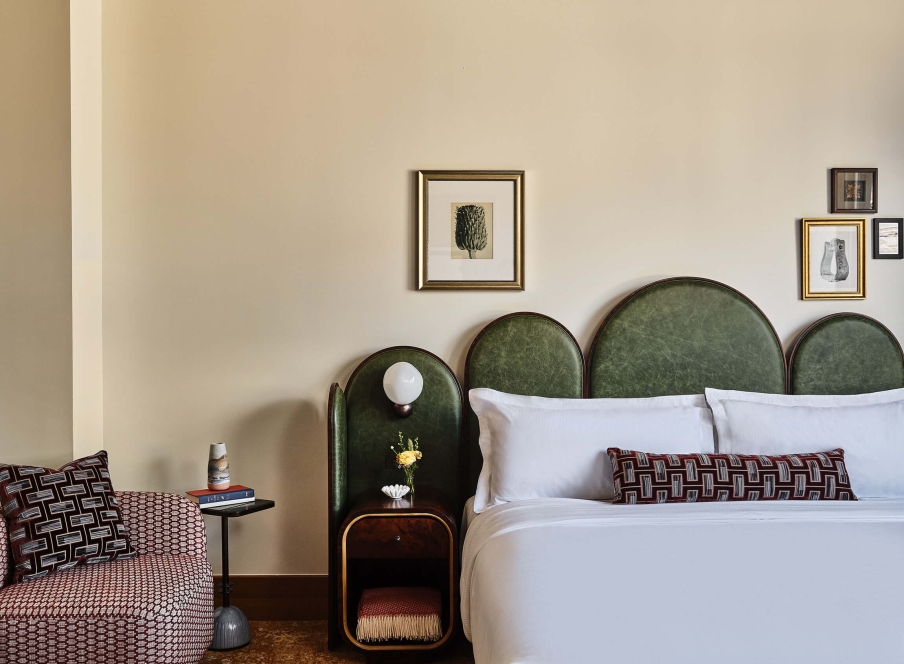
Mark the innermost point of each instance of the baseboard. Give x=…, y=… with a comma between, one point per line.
x=279, y=597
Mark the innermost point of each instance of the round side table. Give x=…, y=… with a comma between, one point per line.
x=230, y=626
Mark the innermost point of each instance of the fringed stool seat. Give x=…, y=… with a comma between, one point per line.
x=413, y=614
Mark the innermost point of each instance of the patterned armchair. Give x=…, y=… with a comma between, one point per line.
x=154, y=609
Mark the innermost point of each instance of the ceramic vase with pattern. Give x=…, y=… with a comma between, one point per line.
x=218, y=468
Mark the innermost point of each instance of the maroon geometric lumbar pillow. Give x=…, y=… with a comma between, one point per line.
x=696, y=478
x=58, y=519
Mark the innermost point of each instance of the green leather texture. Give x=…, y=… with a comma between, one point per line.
x=523, y=353
x=338, y=497
x=373, y=426
x=338, y=454
x=679, y=336
x=846, y=354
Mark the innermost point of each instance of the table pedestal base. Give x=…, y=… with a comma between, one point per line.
x=230, y=629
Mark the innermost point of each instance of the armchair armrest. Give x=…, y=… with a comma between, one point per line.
x=6, y=555
x=163, y=523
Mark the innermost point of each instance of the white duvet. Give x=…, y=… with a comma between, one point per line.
x=572, y=581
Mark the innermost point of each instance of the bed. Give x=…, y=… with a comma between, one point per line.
x=561, y=580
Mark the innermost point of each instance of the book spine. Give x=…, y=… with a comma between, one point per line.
x=223, y=496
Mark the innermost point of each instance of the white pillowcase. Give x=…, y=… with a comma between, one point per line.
x=535, y=447
x=868, y=427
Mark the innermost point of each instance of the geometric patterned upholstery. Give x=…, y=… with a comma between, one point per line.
x=642, y=478
x=163, y=523
x=6, y=556
x=154, y=609
x=58, y=519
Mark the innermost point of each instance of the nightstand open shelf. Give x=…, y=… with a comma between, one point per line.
x=401, y=543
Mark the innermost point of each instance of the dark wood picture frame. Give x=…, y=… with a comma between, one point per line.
x=870, y=202
x=900, y=224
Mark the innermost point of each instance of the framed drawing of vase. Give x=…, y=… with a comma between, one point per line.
x=834, y=259
x=470, y=232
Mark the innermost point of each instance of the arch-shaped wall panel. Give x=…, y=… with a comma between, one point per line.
x=372, y=425
x=521, y=353
x=845, y=353
x=681, y=335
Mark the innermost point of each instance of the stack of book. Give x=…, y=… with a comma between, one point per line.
x=232, y=496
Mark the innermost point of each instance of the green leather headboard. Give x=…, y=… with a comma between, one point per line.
x=337, y=498
x=522, y=353
x=372, y=426
x=681, y=335
x=845, y=354
x=361, y=427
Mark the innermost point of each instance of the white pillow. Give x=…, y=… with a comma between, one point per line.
x=868, y=427
x=535, y=447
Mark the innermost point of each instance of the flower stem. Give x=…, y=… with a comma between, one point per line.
x=409, y=478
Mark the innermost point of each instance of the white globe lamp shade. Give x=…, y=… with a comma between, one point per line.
x=403, y=384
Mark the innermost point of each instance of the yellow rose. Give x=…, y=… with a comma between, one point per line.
x=407, y=458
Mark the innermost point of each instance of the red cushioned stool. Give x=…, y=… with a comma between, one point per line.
x=414, y=614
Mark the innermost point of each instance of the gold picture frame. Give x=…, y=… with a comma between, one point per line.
x=470, y=230
x=831, y=268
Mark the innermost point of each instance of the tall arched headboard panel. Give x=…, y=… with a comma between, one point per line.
x=681, y=335
x=845, y=354
x=361, y=425
x=522, y=353
x=372, y=426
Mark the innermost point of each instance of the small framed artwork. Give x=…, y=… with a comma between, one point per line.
x=834, y=259
x=470, y=230
x=887, y=238
x=855, y=190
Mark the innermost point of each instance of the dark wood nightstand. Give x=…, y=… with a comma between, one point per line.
x=407, y=542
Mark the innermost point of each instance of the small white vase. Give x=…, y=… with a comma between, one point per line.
x=218, y=468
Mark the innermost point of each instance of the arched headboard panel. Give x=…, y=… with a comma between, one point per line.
x=361, y=425
x=522, y=353
x=681, y=335
x=845, y=353
x=372, y=425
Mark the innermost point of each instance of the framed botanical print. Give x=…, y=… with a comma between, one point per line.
x=470, y=230
x=834, y=259
x=887, y=238
x=855, y=190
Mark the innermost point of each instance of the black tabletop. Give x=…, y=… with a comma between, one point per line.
x=239, y=510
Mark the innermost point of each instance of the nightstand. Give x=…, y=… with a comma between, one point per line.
x=407, y=542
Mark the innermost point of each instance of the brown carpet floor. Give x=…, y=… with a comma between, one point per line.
x=305, y=643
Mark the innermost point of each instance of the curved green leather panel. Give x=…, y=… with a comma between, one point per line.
x=846, y=354
x=338, y=459
x=337, y=499
x=373, y=426
x=522, y=353
x=679, y=336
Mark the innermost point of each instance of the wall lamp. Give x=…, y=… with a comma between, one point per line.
x=402, y=384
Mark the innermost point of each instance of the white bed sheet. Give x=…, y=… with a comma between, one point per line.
x=572, y=581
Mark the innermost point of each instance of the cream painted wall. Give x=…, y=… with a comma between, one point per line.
x=86, y=66
x=35, y=259
x=258, y=217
